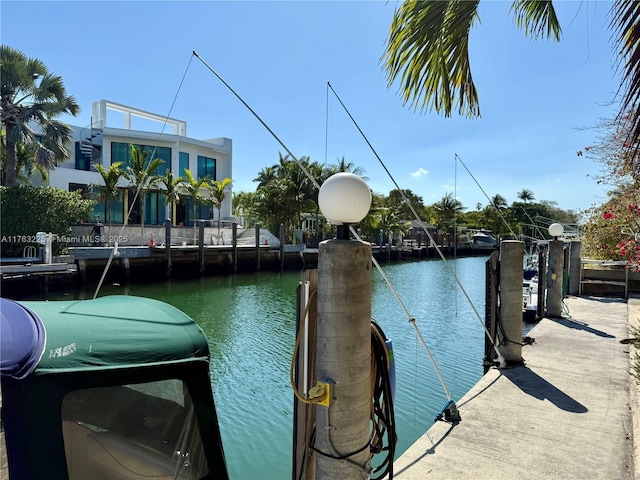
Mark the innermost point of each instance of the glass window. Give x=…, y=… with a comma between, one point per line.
x=121, y=152
x=146, y=430
x=206, y=167
x=82, y=161
x=184, y=164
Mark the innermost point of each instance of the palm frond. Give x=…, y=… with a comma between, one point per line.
x=625, y=22
x=537, y=18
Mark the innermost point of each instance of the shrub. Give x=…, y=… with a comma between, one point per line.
x=26, y=210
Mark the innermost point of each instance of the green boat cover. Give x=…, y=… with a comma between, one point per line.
x=115, y=332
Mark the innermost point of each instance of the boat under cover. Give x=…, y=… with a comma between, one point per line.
x=112, y=388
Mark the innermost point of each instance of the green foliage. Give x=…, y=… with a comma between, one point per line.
x=613, y=230
x=26, y=210
x=428, y=50
x=30, y=93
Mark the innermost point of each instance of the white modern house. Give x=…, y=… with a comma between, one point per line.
x=104, y=142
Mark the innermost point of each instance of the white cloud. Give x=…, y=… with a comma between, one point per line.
x=418, y=173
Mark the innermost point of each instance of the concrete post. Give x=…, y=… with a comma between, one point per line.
x=257, y=247
x=574, y=267
x=554, y=279
x=511, y=277
x=167, y=247
x=344, y=358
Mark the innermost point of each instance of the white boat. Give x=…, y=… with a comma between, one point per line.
x=484, y=239
x=530, y=289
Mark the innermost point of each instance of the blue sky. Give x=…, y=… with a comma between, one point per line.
x=536, y=97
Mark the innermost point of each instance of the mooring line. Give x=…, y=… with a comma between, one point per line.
x=114, y=251
x=412, y=319
x=500, y=358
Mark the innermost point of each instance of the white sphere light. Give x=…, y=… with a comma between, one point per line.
x=556, y=229
x=344, y=198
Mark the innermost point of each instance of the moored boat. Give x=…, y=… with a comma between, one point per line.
x=112, y=388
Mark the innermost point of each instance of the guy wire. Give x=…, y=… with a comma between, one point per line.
x=417, y=217
x=133, y=202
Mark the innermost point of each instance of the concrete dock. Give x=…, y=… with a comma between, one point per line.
x=568, y=413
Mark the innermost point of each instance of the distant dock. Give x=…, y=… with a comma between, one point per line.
x=567, y=414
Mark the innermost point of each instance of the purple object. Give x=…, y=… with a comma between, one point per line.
x=22, y=339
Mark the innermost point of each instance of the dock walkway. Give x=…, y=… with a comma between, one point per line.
x=566, y=414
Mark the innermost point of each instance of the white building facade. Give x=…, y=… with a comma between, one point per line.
x=103, y=143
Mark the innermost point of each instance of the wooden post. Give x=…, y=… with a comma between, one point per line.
x=167, y=247
x=305, y=377
x=491, y=308
x=257, y=247
x=201, y=245
x=281, y=247
x=234, y=243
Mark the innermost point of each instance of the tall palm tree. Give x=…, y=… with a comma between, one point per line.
x=171, y=190
x=428, y=50
x=446, y=211
x=343, y=166
x=244, y=204
x=266, y=175
x=109, y=191
x=526, y=195
x=29, y=93
x=219, y=192
x=498, y=201
x=141, y=175
x=193, y=188
x=26, y=166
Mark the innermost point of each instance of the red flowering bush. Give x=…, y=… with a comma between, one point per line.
x=613, y=231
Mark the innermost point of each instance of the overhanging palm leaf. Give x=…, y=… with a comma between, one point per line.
x=625, y=22
x=428, y=50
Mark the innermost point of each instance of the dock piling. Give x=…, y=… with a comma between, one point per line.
x=511, y=276
x=167, y=247
x=257, y=247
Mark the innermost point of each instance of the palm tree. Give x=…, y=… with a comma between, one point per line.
x=244, y=204
x=171, y=190
x=446, y=211
x=498, y=201
x=141, y=174
x=26, y=166
x=344, y=166
x=29, y=93
x=109, y=191
x=193, y=189
x=625, y=22
x=218, y=193
x=428, y=50
x=266, y=175
x=526, y=195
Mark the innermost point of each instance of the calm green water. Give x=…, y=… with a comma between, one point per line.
x=250, y=322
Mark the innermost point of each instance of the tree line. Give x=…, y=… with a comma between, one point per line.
x=286, y=196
